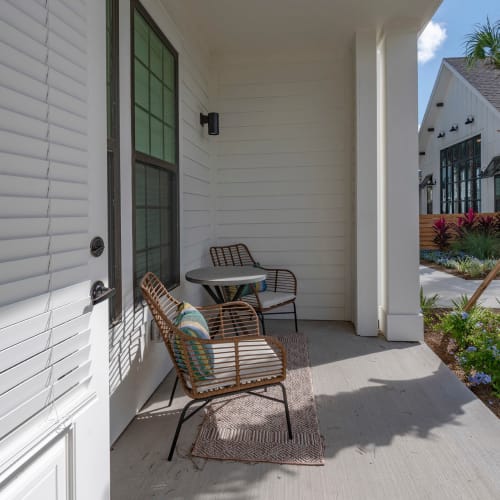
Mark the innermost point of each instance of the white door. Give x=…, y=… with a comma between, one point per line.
x=53, y=341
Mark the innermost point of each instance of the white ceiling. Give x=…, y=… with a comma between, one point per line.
x=229, y=25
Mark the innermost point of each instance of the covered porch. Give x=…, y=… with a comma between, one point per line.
x=396, y=424
x=314, y=168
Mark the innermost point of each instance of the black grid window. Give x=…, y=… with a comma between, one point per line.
x=460, y=167
x=428, y=193
x=155, y=136
x=155, y=217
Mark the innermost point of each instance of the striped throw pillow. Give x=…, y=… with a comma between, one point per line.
x=200, y=356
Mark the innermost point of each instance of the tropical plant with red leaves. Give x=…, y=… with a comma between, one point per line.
x=442, y=230
x=486, y=225
x=466, y=223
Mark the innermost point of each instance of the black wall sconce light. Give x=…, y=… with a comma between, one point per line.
x=430, y=129
x=441, y=135
x=421, y=153
x=213, y=122
x=469, y=120
x=454, y=127
x=440, y=104
x=426, y=182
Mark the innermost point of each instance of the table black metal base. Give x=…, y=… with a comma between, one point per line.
x=218, y=293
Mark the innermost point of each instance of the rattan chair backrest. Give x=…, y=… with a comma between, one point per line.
x=164, y=308
x=232, y=255
x=162, y=305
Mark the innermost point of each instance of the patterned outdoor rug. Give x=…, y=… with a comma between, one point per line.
x=251, y=429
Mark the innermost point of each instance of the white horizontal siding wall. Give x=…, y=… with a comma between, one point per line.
x=138, y=365
x=461, y=101
x=197, y=182
x=284, y=170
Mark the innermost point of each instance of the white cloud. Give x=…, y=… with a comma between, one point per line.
x=430, y=41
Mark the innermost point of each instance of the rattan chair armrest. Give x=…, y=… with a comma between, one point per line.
x=231, y=319
x=280, y=280
x=237, y=304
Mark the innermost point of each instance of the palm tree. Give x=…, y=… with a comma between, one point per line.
x=484, y=44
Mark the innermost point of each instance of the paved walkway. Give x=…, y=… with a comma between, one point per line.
x=450, y=287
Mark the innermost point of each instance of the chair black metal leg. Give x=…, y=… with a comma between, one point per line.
x=178, y=430
x=261, y=317
x=173, y=391
x=287, y=412
x=295, y=316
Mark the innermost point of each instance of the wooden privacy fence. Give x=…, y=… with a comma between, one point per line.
x=426, y=222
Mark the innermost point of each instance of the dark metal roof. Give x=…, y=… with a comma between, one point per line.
x=493, y=167
x=483, y=76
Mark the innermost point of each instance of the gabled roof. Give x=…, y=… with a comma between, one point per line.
x=484, y=77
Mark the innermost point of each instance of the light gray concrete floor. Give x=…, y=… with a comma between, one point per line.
x=450, y=288
x=397, y=425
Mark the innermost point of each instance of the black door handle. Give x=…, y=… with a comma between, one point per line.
x=99, y=293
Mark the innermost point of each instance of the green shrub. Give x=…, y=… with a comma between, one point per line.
x=427, y=304
x=477, y=335
x=480, y=245
x=473, y=267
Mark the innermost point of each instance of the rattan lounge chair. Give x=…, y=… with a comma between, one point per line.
x=242, y=360
x=281, y=283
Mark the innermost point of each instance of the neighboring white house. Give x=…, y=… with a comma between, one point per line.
x=314, y=169
x=459, y=140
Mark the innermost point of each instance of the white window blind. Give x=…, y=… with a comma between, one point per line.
x=44, y=287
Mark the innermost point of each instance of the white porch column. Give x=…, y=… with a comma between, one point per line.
x=401, y=318
x=365, y=298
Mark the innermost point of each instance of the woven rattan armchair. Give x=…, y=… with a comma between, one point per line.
x=242, y=359
x=281, y=283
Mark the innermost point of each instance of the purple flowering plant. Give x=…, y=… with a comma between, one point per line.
x=477, y=335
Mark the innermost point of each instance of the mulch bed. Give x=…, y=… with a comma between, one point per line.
x=445, y=347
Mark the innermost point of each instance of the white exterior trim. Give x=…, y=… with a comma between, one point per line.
x=401, y=317
x=365, y=268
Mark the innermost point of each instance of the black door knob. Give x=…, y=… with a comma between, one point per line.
x=99, y=293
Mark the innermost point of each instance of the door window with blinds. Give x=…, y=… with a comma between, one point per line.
x=155, y=158
x=45, y=366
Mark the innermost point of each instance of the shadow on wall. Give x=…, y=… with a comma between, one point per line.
x=125, y=346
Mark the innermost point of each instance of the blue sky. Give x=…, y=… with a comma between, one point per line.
x=444, y=38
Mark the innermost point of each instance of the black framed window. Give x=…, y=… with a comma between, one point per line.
x=460, y=169
x=428, y=194
x=497, y=193
x=113, y=167
x=155, y=151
